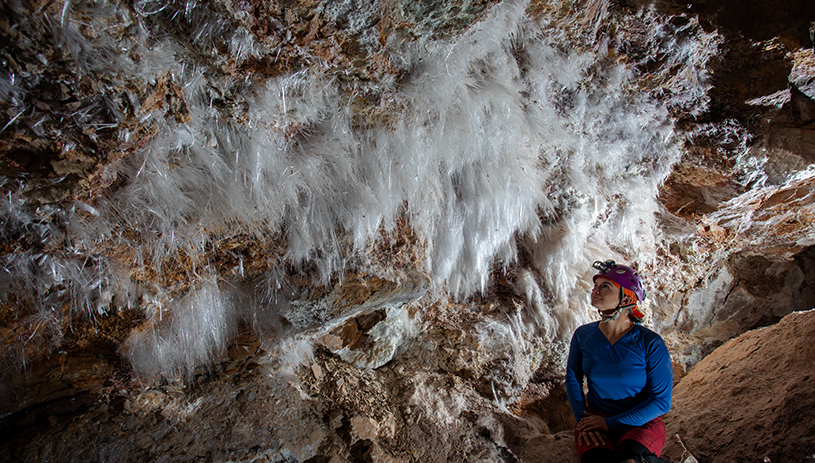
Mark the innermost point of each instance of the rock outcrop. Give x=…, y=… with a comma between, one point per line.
x=751, y=399
x=327, y=231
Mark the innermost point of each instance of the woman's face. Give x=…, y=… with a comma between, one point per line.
x=605, y=295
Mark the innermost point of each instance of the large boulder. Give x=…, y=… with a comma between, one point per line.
x=751, y=399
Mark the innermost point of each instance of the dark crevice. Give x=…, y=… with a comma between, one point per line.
x=361, y=451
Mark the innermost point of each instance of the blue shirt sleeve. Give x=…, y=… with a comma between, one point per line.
x=659, y=386
x=574, y=378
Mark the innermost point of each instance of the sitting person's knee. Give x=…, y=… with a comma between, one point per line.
x=628, y=449
x=631, y=450
x=597, y=455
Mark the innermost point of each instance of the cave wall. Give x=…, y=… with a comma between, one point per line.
x=383, y=332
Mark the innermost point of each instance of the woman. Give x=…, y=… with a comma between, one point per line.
x=629, y=373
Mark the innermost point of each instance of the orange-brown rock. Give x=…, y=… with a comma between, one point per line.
x=751, y=399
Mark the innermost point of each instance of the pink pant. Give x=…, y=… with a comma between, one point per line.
x=651, y=435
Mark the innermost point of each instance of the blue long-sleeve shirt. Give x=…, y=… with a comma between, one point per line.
x=630, y=382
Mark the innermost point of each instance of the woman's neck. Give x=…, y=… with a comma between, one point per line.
x=615, y=329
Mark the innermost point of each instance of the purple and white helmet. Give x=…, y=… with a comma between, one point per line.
x=623, y=275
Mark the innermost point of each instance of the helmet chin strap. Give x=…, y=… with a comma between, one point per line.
x=616, y=314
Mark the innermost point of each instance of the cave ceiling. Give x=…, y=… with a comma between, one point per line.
x=102, y=281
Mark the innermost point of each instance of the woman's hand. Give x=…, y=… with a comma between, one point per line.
x=590, y=438
x=592, y=422
x=590, y=429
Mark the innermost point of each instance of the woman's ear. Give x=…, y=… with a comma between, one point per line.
x=627, y=300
